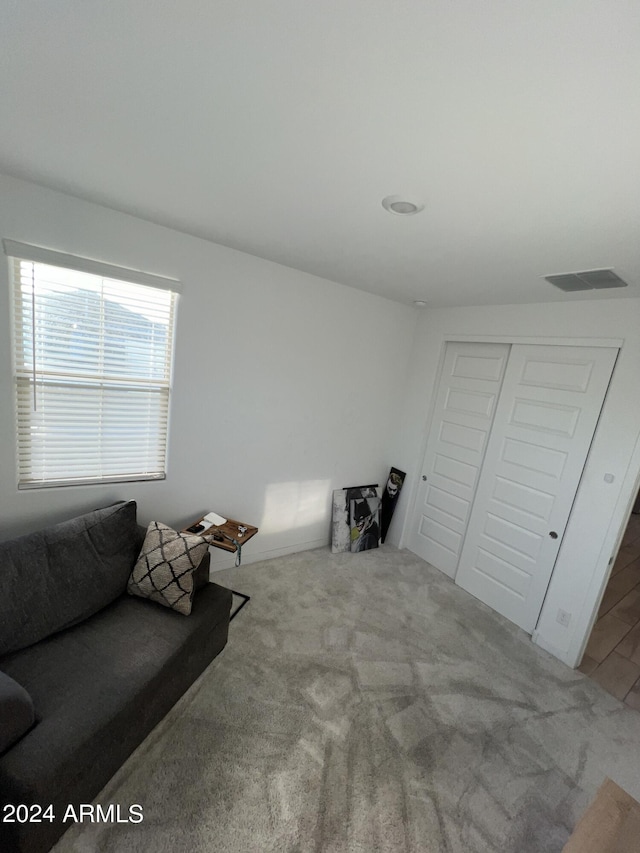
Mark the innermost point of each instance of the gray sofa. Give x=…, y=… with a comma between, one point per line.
x=86, y=671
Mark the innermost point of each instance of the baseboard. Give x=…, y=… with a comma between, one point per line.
x=219, y=564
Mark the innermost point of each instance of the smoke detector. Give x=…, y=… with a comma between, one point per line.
x=588, y=280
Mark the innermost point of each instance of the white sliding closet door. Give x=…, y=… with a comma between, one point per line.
x=548, y=409
x=464, y=409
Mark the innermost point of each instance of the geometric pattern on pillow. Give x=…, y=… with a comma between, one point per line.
x=164, y=570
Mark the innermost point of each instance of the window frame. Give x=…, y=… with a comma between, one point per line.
x=106, y=389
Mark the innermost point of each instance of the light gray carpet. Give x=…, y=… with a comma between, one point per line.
x=364, y=703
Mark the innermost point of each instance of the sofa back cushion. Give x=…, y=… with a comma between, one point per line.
x=60, y=576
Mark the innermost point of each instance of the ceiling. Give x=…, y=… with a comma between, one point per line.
x=278, y=126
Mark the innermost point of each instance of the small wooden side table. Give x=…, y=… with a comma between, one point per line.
x=230, y=532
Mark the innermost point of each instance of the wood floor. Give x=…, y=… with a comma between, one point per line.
x=612, y=656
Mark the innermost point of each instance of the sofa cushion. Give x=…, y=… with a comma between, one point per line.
x=59, y=576
x=164, y=571
x=99, y=688
x=17, y=714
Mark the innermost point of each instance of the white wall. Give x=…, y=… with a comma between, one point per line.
x=284, y=387
x=600, y=508
x=313, y=386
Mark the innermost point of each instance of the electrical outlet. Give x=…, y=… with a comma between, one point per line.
x=563, y=618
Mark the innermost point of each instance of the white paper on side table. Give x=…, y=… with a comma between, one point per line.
x=212, y=519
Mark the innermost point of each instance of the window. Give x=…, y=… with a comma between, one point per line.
x=92, y=365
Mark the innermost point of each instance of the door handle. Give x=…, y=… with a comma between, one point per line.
x=553, y=534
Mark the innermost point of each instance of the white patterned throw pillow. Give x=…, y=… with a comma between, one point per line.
x=164, y=570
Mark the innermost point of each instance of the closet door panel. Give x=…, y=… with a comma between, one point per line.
x=548, y=410
x=464, y=409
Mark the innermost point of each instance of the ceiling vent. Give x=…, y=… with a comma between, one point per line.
x=589, y=280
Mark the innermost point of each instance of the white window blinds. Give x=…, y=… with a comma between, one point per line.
x=92, y=356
